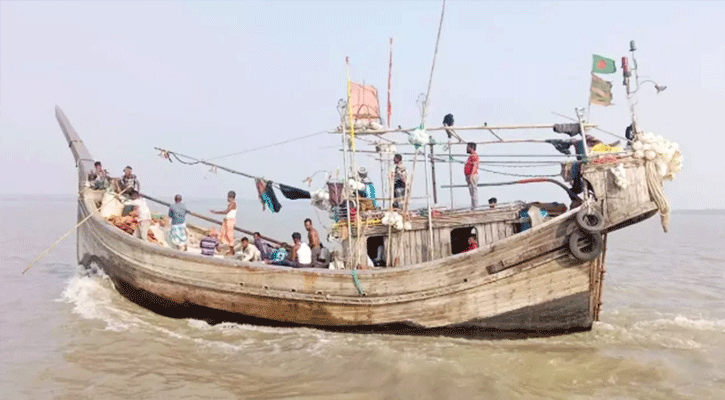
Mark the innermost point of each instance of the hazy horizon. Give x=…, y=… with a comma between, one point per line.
x=212, y=78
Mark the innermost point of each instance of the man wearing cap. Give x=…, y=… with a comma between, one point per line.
x=369, y=190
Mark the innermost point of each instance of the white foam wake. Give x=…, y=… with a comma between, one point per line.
x=681, y=321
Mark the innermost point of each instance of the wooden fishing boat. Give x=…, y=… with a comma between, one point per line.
x=546, y=278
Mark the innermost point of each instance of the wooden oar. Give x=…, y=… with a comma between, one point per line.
x=212, y=220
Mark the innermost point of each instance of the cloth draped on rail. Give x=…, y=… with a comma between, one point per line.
x=294, y=193
x=267, y=196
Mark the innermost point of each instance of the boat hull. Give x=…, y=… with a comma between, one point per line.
x=525, y=282
x=546, y=290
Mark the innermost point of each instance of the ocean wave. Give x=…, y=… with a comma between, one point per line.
x=91, y=298
x=681, y=321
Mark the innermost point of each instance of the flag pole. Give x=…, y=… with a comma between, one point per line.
x=589, y=98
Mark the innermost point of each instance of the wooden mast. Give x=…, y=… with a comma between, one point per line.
x=390, y=79
x=433, y=174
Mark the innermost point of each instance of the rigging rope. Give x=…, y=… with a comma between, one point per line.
x=435, y=55
x=267, y=146
x=204, y=162
x=506, y=173
x=181, y=161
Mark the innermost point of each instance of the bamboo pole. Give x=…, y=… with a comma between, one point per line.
x=390, y=79
x=389, y=262
x=358, y=217
x=406, y=201
x=465, y=128
x=433, y=174
x=450, y=169
x=427, y=198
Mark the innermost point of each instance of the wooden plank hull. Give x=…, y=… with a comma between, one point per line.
x=493, y=287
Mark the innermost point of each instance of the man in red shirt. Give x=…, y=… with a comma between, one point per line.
x=472, y=245
x=471, y=172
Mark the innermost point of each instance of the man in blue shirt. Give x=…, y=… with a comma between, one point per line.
x=177, y=213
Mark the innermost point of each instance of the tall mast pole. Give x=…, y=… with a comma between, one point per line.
x=422, y=125
x=355, y=252
x=450, y=169
x=627, y=76
x=390, y=80
x=433, y=174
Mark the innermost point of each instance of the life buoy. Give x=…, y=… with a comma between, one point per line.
x=586, y=246
x=590, y=219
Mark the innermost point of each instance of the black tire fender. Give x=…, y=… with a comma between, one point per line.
x=586, y=246
x=590, y=219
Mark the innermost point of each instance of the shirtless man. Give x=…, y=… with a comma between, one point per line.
x=313, y=238
x=226, y=236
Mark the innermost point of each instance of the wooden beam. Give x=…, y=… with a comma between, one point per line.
x=212, y=220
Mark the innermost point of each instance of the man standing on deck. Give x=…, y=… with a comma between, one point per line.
x=313, y=238
x=399, y=180
x=230, y=217
x=144, y=215
x=177, y=213
x=471, y=173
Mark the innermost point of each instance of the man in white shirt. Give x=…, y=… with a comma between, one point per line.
x=250, y=253
x=144, y=215
x=301, y=253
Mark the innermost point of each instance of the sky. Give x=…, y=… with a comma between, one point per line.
x=213, y=78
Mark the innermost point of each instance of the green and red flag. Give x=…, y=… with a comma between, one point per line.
x=600, y=91
x=603, y=65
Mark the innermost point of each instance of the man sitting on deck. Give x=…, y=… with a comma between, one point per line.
x=127, y=182
x=98, y=178
x=177, y=213
x=264, y=247
x=209, y=243
x=301, y=254
x=249, y=253
x=492, y=203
